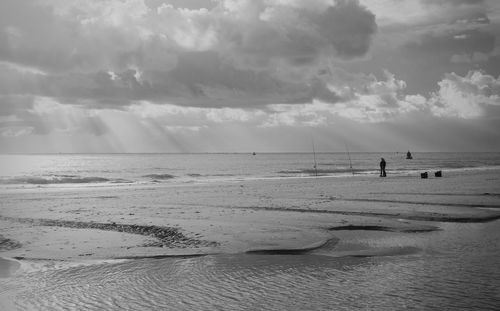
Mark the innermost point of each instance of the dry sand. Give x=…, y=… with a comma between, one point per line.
x=277, y=215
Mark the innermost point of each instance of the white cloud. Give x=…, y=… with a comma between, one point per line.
x=471, y=96
x=375, y=100
x=466, y=97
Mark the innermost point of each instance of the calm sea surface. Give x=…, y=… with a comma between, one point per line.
x=94, y=169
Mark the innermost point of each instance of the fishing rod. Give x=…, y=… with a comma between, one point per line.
x=349, y=155
x=315, y=164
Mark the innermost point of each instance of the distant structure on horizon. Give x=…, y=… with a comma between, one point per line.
x=408, y=155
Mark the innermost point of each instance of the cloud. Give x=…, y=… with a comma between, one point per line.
x=105, y=71
x=235, y=53
x=361, y=99
x=446, y=44
x=199, y=79
x=476, y=57
x=471, y=96
x=44, y=115
x=378, y=115
x=185, y=4
x=36, y=34
x=106, y=34
x=453, y=2
x=264, y=32
x=416, y=40
x=349, y=28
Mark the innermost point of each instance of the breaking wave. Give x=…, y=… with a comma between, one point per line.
x=159, y=176
x=59, y=179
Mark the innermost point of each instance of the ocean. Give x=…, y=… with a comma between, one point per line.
x=98, y=169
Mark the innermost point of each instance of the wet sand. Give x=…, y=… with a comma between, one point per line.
x=282, y=216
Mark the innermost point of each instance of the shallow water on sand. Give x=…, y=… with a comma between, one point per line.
x=455, y=268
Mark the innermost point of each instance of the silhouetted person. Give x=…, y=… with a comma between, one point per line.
x=408, y=155
x=382, y=168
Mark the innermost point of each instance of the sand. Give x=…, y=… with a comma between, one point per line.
x=294, y=215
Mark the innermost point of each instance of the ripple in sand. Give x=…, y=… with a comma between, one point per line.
x=8, y=244
x=167, y=236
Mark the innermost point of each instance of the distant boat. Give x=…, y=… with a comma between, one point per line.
x=408, y=155
x=254, y=153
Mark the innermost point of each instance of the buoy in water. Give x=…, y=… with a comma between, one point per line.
x=408, y=155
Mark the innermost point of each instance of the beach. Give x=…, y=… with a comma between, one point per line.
x=299, y=219
x=233, y=217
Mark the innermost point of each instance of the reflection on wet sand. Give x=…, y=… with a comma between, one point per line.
x=460, y=261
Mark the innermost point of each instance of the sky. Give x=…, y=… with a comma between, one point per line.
x=101, y=76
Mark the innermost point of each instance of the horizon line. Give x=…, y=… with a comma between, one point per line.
x=236, y=152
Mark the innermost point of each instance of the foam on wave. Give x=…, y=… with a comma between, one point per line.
x=63, y=179
x=159, y=176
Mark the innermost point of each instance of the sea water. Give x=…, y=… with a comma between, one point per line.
x=457, y=268
x=95, y=169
